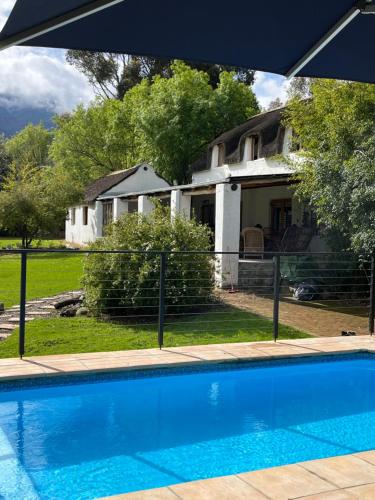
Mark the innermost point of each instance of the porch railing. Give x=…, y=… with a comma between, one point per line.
x=180, y=294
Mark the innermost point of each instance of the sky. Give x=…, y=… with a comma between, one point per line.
x=42, y=78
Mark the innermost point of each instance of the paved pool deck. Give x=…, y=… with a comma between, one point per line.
x=63, y=364
x=337, y=478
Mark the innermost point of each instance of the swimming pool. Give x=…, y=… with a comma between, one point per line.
x=83, y=438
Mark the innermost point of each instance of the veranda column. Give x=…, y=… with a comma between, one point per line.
x=98, y=219
x=145, y=205
x=227, y=232
x=180, y=203
x=119, y=207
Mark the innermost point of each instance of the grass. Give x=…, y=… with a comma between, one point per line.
x=47, y=275
x=81, y=334
x=10, y=242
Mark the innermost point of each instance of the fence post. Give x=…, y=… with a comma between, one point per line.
x=276, y=295
x=163, y=268
x=372, y=297
x=21, y=338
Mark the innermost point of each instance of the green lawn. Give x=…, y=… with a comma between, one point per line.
x=10, y=242
x=47, y=274
x=72, y=335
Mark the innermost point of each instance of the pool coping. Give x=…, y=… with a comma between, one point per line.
x=343, y=477
x=174, y=357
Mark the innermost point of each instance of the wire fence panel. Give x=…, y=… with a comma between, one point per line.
x=110, y=300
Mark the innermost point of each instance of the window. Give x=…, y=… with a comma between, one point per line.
x=255, y=147
x=85, y=215
x=73, y=216
x=220, y=155
x=281, y=214
x=252, y=148
x=132, y=207
x=107, y=213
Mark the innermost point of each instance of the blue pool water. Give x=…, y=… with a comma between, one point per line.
x=87, y=438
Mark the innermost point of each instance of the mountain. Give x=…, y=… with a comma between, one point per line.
x=14, y=117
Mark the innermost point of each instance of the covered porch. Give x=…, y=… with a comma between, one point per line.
x=234, y=208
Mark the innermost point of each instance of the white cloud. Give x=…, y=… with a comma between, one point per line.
x=39, y=77
x=268, y=86
x=42, y=77
x=5, y=8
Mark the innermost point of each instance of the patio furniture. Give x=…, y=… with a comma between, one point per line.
x=253, y=240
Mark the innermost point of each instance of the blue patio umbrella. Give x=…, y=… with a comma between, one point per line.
x=320, y=38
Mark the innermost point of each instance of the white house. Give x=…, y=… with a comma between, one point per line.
x=105, y=200
x=241, y=182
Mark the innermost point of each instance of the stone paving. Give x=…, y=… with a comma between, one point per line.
x=316, y=318
x=40, y=366
x=337, y=478
x=348, y=477
x=40, y=308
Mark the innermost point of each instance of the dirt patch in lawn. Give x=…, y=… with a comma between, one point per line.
x=318, y=319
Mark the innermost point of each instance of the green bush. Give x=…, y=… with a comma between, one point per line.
x=127, y=284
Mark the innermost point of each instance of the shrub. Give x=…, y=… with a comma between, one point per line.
x=127, y=284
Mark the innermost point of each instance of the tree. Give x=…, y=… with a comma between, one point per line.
x=276, y=103
x=336, y=129
x=33, y=202
x=30, y=146
x=92, y=142
x=4, y=159
x=299, y=87
x=175, y=118
x=112, y=75
x=128, y=284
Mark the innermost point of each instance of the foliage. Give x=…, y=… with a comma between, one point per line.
x=112, y=75
x=30, y=204
x=92, y=142
x=167, y=122
x=4, y=159
x=128, y=284
x=76, y=335
x=276, y=103
x=177, y=117
x=336, y=129
x=29, y=146
x=299, y=87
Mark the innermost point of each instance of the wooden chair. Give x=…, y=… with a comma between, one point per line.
x=253, y=240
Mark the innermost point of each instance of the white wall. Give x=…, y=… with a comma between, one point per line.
x=80, y=233
x=227, y=232
x=141, y=180
x=261, y=166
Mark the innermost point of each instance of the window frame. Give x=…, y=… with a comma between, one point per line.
x=73, y=216
x=85, y=215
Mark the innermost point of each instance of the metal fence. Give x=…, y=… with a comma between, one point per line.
x=231, y=295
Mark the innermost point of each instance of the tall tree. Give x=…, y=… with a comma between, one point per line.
x=4, y=159
x=167, y=122
x=177, y=117
x=275, y=103
x=336, y=129
x=33, y=202
x=30, y=146
x=112, y=75
x=92, y=142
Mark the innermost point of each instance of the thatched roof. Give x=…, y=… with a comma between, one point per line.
x=267, y=126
